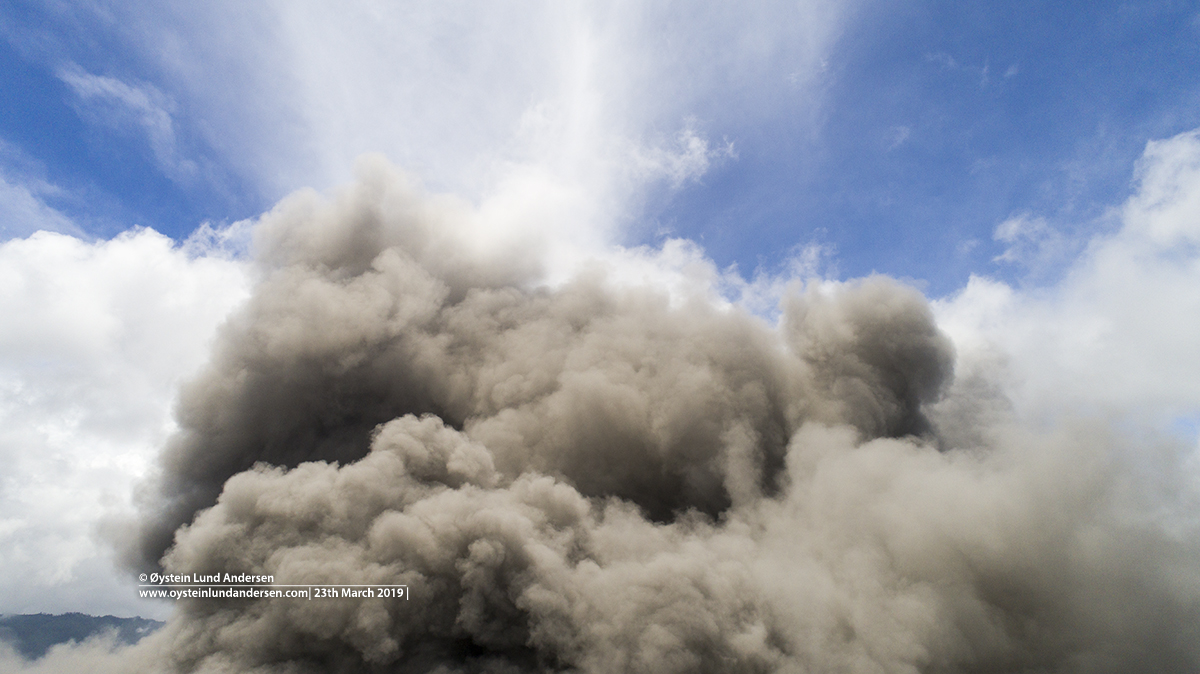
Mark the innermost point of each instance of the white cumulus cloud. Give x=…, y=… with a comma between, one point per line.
x=98, y=336
x=1119, y=333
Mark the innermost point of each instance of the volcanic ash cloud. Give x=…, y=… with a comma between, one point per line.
x=604, y=477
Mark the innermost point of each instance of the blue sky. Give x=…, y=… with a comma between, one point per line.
x=1032, y=167
x=100, y=159
x=921, y=128
x=940, y=120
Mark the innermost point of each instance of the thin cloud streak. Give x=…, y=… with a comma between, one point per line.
x=111, y=102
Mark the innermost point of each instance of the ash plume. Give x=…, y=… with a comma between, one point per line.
x=604, y=477
x=366, y=315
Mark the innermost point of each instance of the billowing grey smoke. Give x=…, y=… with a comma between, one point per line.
x=365, y=315
x=605, y=478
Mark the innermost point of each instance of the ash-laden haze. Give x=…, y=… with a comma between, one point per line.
x=604, y=476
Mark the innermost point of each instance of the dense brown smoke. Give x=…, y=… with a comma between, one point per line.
x=605, y=478
x=365, y=316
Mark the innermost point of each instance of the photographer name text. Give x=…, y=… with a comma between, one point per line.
x=200, y=578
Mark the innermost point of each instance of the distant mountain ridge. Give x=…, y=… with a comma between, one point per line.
x=33, y=635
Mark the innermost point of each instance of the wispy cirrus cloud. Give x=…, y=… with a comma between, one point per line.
x=136, y=106
x=23, y=211
x=24, y=192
